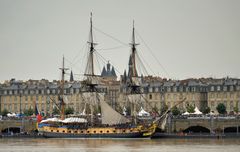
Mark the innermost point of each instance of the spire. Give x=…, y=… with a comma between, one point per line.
x=103, y=72
x=130, y=61
x=124, y=76
x=71, y=77
x=108, y=66
x=113, y=72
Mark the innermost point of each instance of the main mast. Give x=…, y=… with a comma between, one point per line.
x=61, y=96
x=133, y=53
x=89, y=71
x=133, y=75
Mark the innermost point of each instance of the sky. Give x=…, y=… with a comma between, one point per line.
x=178, y=39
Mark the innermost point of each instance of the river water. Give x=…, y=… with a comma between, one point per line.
x=119, y=145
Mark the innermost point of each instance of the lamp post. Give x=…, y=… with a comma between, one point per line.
x=20, y=104
x=20, y=101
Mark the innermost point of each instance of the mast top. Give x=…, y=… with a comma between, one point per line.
x=91, y=18
x=133, y=44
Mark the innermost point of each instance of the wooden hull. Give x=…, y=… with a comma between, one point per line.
x=109, y=135
x=94, y=132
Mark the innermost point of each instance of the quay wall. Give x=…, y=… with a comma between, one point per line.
x=23, y=125
x=173, y=125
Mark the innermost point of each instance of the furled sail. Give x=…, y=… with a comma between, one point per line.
x=92, y=79
x=89, y=97
x=136, y=98
x=136, y=80
x=109, y=115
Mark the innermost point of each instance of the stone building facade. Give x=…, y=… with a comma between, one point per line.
x=16, y=96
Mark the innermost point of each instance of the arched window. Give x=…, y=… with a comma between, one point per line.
x=150, y=96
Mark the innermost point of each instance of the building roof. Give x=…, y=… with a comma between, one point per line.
x=108, y=72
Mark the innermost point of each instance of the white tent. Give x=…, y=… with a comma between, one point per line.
x=83, y=113
x=51, y=120
x=186, y=113
x=197, y=111
x=124, y=111
x=11, y=115
x=142, y=112
x=212, y=113
x=74, y=120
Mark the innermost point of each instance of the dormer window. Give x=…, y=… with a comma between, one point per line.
x=212, y=88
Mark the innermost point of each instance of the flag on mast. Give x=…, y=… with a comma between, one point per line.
x=38, y=115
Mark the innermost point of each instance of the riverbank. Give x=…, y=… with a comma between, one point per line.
x=194, y=135
x=155, y=136
x=21, y=136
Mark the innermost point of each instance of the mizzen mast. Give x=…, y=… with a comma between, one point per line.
x=61, y=96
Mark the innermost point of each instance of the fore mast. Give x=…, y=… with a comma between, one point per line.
x=89, y=71
x=91, y=82
x=61, y=95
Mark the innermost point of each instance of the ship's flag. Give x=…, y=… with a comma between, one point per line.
x=38, y=115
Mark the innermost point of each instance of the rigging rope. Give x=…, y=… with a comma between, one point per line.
x=153, y=55
x=118, y=47
x=146, y=63
x=106, y=61
x=110, y=36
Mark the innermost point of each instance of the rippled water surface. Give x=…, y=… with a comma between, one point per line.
x=120, y=145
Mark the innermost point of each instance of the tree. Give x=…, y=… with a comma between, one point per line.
x=4, y=112
x=236, y=110
x=155, y=109
x=128, y=110
x=96, y=109
x=164, y=108
x=28, y=112
x=69, y=110
x=55, y=111
x=206, y=110
x=190, y=109
x=175, y=111
x=221, y=108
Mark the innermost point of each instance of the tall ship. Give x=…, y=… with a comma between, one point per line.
x=111, y=124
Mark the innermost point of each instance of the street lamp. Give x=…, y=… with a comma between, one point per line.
x=20, y=100
x=20, y=104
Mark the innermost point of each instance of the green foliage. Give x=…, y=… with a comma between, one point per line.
x=206, y=110
x=175, y=111
x=4, y=112
x=190, y=109
x=69, y=110
x=28, y=112
x=155, y=109
x=164, y=108
x=55, y=111
x=128, y=110
x=221, y=108
x=96, y=109
x=236, y=109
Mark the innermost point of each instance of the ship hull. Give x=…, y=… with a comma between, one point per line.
x=95, y=132
x=111, y=135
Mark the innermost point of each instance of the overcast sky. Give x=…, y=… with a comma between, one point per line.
x=178, y=39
